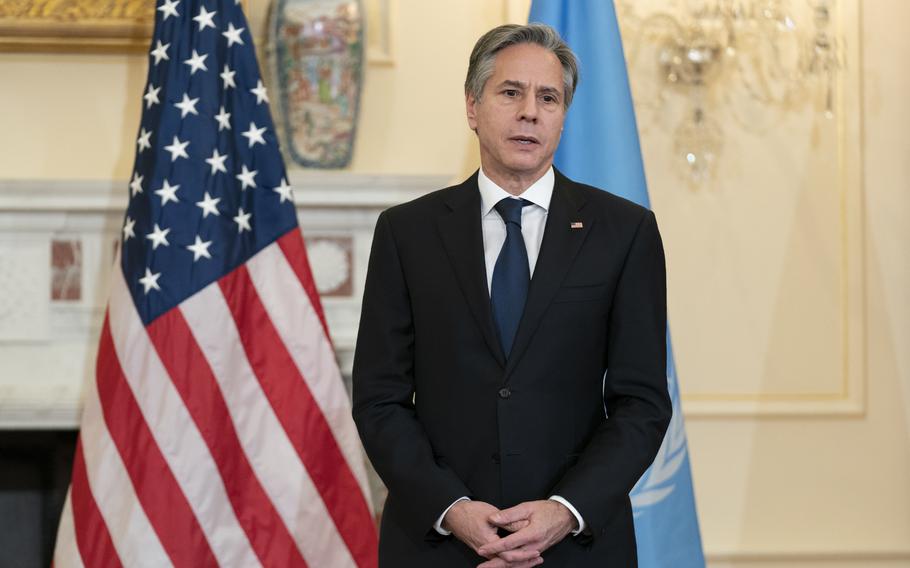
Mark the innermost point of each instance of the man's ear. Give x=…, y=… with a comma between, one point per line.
x=470, y=104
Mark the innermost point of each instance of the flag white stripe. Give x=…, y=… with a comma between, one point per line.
x=175, y=432
x=131, y=532
x=265, y=442
x=66, y=551
x=293, y=316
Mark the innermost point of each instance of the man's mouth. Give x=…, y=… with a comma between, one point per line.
x=525, y=140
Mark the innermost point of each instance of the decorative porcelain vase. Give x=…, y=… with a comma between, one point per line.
x=317, y=61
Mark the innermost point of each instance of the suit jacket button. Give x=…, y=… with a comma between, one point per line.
x=495, y=457
x=504, y=393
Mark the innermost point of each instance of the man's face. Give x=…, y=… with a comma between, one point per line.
x=520, y=115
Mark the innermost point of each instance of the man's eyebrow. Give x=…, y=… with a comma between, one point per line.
x=550, y=91
x=547, y=90
x=513, y=83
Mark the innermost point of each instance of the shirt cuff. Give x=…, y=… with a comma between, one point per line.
x=573, y=510
x=438, y=525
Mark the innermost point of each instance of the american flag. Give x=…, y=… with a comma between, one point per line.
x=217, y=431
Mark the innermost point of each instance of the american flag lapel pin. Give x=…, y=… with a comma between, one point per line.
x=577, y=225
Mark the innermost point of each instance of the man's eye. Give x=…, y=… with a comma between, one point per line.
x=510, y=93
x=549, y=99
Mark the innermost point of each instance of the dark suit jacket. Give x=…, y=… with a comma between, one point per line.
x=443, y=414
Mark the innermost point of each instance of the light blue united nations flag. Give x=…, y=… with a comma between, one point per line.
x=600, y=147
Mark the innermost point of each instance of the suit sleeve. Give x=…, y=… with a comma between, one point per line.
x=635, y=390
x=383, y=405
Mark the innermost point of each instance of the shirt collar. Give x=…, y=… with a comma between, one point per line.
x=539, y=193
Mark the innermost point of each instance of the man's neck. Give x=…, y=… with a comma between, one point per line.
x=515, y=183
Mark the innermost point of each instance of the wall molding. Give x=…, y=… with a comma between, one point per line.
x=312, y=189
x=809, y=555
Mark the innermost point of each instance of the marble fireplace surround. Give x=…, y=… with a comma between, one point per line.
x=57, y=241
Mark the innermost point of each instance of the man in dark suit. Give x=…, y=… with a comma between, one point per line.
x=510, y=370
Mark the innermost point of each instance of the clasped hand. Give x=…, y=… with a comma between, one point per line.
x=535, y=527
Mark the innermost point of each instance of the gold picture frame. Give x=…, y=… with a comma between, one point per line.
x=76, y=25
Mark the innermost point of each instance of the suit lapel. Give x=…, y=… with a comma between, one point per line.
x=462, y=238
x=561, y=243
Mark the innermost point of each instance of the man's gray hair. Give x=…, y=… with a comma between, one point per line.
x=483, y=57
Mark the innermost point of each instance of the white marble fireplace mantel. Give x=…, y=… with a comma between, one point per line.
x=57, y=242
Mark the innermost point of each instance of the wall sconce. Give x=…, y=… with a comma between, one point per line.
x=738, y=54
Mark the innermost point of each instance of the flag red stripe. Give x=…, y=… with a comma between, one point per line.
x=304, y=337
x=265, y=442
x=161, y=497
x=92, y=537
x=194, y=380
x=292, y=246
x=301, y=417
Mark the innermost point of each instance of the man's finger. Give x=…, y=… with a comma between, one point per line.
x=519, y=512
x=516, y=526
x=519, y=555
x=488, y=540
x=514, y=540
x=495, y=562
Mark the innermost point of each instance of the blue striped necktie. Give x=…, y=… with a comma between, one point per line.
x=511, y=274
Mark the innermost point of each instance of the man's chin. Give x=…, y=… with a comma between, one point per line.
x=528, y=167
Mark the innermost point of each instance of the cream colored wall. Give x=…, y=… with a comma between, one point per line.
x=792, y=489
x=798, y=490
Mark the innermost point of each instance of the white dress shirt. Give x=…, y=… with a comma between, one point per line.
x=533, y=222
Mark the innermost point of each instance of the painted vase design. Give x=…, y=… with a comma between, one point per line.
x=317, y=60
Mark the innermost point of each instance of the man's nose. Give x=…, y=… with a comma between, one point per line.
x=528, y=110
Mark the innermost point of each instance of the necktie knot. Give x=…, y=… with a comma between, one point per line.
x=510, y=209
